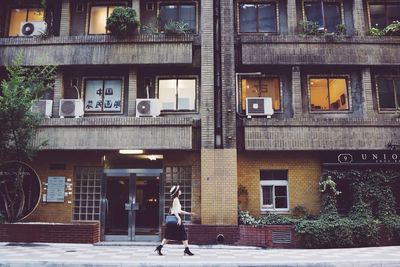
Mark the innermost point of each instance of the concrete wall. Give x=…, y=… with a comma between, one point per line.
x=304, y=169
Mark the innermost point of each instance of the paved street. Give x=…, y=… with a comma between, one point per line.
x=66, y=255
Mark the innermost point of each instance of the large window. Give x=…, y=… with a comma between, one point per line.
x=274, y=190
x=178, y=12
x=20, y=15
x=257, y=17
x=383, y=14
x=103, y=95
x=98, y=18
x=177, y=94
x=326, y=14
x=328, y=94
x=261, y=87
x=388, y=93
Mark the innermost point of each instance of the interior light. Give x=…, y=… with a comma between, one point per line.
x=152, y=157
x=131, y=151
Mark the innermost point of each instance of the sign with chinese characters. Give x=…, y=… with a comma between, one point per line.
x=55, y=189
x=361, y=157
x=103, y=95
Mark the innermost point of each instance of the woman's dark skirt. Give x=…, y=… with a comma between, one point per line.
x=175, y=232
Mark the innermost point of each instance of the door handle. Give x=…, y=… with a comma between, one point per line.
x=131, y=206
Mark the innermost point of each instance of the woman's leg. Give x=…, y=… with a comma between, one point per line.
x=185, y=243
x=164, y=241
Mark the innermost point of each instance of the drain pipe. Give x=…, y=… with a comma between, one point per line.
x=217, y=76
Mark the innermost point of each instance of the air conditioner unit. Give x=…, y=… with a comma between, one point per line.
x=32, y=28
x=259, y=106
x=71, y=108
x=43, y=107
x=146, y=107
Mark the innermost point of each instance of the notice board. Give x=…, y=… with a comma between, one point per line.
x=55, y=189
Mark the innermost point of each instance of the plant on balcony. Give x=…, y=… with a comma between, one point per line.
x=18, y=127
x=311, y=28
x=176, y=27
x=390, y=30
x=122, y=22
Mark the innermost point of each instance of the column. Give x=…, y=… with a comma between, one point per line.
x=132, y=91
x=358, y=17
x=368, y=106
x=58, y=92
x=65, y=18
x=296, y=92
x=292, y=16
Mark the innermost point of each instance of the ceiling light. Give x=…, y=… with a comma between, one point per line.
x=131, y=151
x=152, y=157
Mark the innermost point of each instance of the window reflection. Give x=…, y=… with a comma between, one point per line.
x=177, y=94
x=257, y=17
x=328, y=94
x=98, y=18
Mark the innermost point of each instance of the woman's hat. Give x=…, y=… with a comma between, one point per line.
x=174, y=189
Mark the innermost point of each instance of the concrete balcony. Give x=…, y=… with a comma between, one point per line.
x=117, y=133
x=319, y=134
x=102, y=49
x=294, y=50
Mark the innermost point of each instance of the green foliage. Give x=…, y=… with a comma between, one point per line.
x=299, y=212
x=245, y=218
x=19, y=124
x=176, y=27
x=122, y=21
x=375, y=32
x=391, y=225
x=390, y=30
x=311, y=28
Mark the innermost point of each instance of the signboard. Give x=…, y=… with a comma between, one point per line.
x=55, y=189
x=385, y=157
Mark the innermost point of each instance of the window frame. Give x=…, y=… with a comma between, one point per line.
x=340, y=2
x=349, y=98
x=252, y=76
x=273, y=183
x=386, y=110
x=104, y=78
x=379, y=3
x=28, y=7
x=195, y=3
x=179, y=77
x=258, y=3
x=89, y=12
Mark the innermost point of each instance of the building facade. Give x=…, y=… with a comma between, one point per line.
x=162, y=109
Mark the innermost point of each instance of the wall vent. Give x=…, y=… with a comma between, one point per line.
x=281, y=237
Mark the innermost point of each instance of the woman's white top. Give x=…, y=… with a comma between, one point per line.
x=176, y=206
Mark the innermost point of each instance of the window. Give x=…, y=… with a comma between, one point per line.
x=328, y=94
x=388, y=93
x=178, y=12
x=103, y=95
x=257, y=17
x=177, y=94
x=326, y=14
x=261, y=87
x=383, y=14
x=20, y=15
x=98, y=18
x=274, y=190
x=182, y=176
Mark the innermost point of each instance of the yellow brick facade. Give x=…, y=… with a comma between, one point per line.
x=218, y=186
x=304, y=169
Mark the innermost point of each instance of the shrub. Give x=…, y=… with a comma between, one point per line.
x=391, y=225
x=245, y=218
x=122, y=21
x=299, y=212
x=310, y=28
x=176, y=27
x=392, y=29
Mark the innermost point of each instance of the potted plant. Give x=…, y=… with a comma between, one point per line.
x=122, y=22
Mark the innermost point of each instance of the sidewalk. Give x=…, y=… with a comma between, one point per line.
x=68, y=255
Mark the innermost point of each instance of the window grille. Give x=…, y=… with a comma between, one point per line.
x=181, y=176
x=87, y=190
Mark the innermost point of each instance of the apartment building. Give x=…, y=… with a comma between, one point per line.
x=242, y=101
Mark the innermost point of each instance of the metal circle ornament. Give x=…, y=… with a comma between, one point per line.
x=20, y=190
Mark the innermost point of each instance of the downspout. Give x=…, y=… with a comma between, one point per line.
x=217, y=75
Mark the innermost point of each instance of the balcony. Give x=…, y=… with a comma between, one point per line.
x=295, y=50
x=319, y=134
x=101, y=49
x=118, y=133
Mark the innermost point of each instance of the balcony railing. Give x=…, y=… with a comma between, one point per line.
x=102, y=49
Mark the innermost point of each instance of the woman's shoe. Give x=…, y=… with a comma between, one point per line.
x=158, y=249
x=187, y=252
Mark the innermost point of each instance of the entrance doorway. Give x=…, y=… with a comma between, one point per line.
x=131, y=204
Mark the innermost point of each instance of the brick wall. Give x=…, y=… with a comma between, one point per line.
x=59, y=212
x=50, y=233
x=218, y=186
x=262, y=237
x=304, y=169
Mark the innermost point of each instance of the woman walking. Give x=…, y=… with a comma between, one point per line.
x=176, y=231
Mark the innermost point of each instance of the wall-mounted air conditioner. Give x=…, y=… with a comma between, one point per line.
x=43, y=107
x=32, y=28
x=259, y=106
x=71, y=108
x=147, y=107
